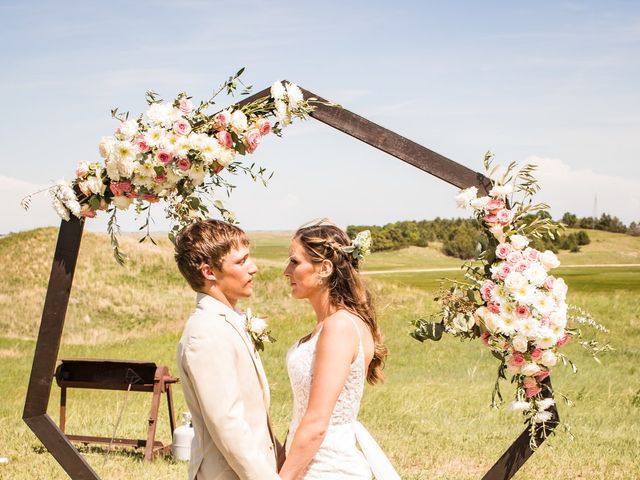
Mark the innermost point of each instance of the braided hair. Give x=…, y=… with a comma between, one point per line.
x=346, y=288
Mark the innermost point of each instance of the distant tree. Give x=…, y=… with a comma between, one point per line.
x=610, y=224
x=569, y=219
x=583, y=238
x=461, y=243
x=634, y=229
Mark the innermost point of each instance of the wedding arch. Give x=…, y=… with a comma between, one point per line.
x=64, y=264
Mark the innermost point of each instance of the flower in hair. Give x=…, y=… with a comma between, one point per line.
x=360, y=246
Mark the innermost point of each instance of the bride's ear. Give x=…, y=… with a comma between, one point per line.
x=207, y=272
x=326, y=269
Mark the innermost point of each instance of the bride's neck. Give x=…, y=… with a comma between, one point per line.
x=321, y=304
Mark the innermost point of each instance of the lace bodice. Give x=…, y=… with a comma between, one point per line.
x=338, y=456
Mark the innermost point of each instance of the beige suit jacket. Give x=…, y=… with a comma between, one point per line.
x=227, y=394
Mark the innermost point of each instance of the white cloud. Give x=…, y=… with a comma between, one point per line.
x=569, y=189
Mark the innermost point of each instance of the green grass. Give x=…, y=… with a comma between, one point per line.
x=431, y=415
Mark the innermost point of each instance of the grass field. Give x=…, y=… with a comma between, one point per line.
x=432, y=414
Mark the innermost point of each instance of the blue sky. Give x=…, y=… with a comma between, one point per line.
x=549, y=81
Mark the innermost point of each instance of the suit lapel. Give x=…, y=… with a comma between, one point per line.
x=229, y=317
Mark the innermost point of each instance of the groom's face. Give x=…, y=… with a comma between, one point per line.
x=235, y=279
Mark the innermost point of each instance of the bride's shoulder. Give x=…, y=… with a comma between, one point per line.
x=340, y=323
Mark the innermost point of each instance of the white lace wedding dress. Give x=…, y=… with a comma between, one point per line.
x=338, y=456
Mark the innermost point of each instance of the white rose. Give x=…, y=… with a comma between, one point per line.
x=294, y=94
x=514, y=281
x=277, y=90
x=112, y=170
x=464, y=198
x=530, y=369
x=106, y=146
x=519, y=241
x=542, y=417
x=549, y=259
x=560, y=289
x=122, y=202
x=498, y=232
x=479, y=203
x=536, y=274
x=548, y=359
x=545, y=403
x=129, y=128
x=520, y=343
x=126, y=167
x=238, y=121
x=226, y=156
x=95, y=185
x=258, y=326
x=501, y=191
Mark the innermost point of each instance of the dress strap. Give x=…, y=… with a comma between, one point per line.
x=355, y=325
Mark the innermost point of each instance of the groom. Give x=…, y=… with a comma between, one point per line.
x=224, y=384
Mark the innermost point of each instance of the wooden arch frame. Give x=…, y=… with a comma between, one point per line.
x=64, y=264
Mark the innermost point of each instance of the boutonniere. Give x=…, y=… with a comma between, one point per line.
x=258, y=330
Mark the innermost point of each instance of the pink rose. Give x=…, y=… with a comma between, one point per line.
x=514, y=257
x=164, y=156
x=150, y=198
x=521, y=267
x=183, y=164
x=120, y=188
x=87, y=212
x=517, y=359
x=494, y=205
x=491, y=219
x=541, y=375
x=224, y=138
x=493, y=307
x=531, y=254
x=186, y=105
x=132, y=195
x=181, y=127
x=536, y=354
x=504, y=216
x=221, y=120
x=141, y=143
x=160, y=179
x=485, y=337
x=530, y=382
x=486, y=290
x=264, y=126
x=563, y=340
x=252, y=140
x=532, y=391
x=549, y=282
x=502, y=250
x=522, y=311
x=82, y=169
x=504, y=270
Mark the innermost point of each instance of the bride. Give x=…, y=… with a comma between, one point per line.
x=328, y=367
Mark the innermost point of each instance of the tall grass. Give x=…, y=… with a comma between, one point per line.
x=431, y=416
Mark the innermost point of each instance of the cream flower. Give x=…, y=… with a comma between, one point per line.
x=548, y=359
x=238, y=121
x=519, y=241
x=520, y=343
x=121, y=202
x=501, y=191
x=546, y=338
x=294, y=95
x=464, y=198
x=277, y=90
x=549, y=259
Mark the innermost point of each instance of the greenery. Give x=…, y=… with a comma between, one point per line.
x=432, y=414
x=458, y=238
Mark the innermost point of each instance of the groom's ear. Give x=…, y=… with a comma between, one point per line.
x=207, y=272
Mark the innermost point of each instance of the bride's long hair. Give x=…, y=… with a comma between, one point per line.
x=346, y=288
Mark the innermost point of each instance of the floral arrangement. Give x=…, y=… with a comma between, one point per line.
x=258, y=330
x=510, y=299
x=176, y=152
x=360, y=246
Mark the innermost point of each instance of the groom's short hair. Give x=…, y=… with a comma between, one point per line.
x=205, y=241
